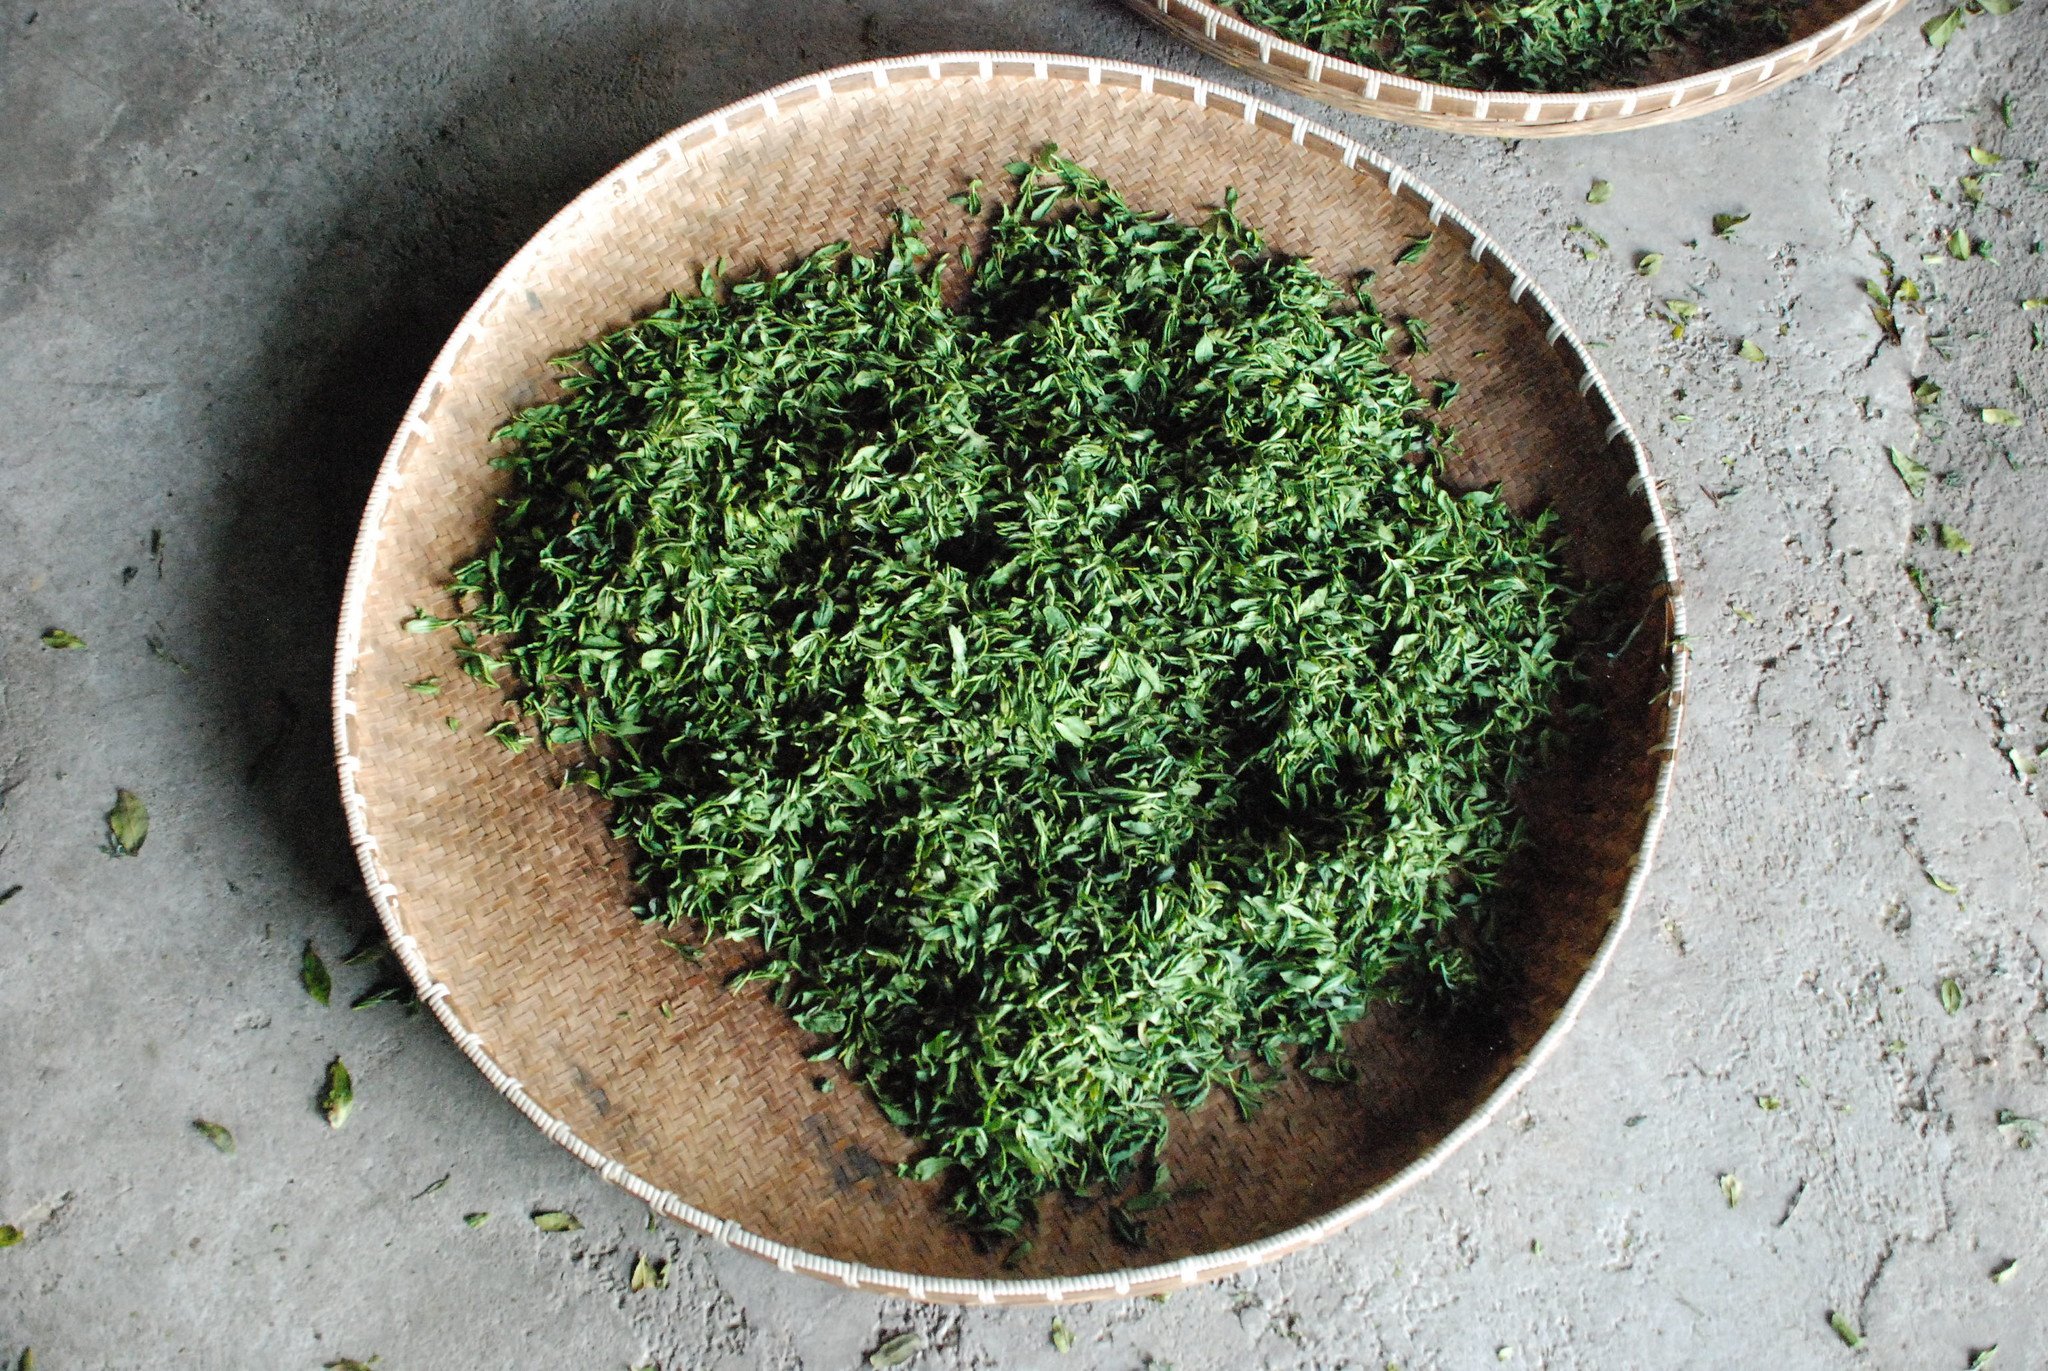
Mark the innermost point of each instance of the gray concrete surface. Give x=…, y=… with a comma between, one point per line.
x=231, y=236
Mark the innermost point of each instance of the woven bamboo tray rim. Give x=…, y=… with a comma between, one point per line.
x=1502, y=113
x=987, y=67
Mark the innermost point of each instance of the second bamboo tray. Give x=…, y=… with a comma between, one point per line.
x=1821, y=29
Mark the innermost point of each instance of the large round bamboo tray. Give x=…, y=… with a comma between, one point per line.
x=1820, y=29
x=508, y=902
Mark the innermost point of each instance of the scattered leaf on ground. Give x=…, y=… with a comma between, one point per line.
x=1844, y=1329
x=556, y=1221
x=1926, y=392
x=1946, y=887
x=1600, y=193
x=1769, y=1103
x=339, y=1098
x=9, y=1235
x=1750, y=352
x=368, y=950
x=2004, y=418
x=217, y=1134
x=61, y=639
x=896, y=1351
x=1912, y=473
x=1959, y=245
x=1982, y=1357
x=1952, y=539
x=127, y=824
x=351, y=1364
x=314, y=976
x=1984, y=157
x=9, y=893
x=2019, y=1130
x=478, y=1219
x=1951, y=995
x=2002, y=1273
x=1649, y=264
x=649, y=1275
x=1063, y=1336
x=1943, y=27
x=1731, y=1189
x=1726, y=224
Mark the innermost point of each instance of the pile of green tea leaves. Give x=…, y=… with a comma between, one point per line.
x=1084, y=689
x=1539, y=45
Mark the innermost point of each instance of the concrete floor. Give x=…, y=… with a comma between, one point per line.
x=231, y=236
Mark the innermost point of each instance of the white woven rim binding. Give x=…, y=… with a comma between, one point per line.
x=678, y=143
x=1429, y=95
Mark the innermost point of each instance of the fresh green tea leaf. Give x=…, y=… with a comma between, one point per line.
x=426, y=686
x=314, y=976
x=62, y=640
x=217, y=1134
x=1960, y=246
x=1943, y=27
x=387, y=992
x=556, y=1221
x=1416, y=250
x=897, y=1351
x=338, y=1100
x=127, y=824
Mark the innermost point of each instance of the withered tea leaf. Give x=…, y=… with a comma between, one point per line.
x=897, y=1351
